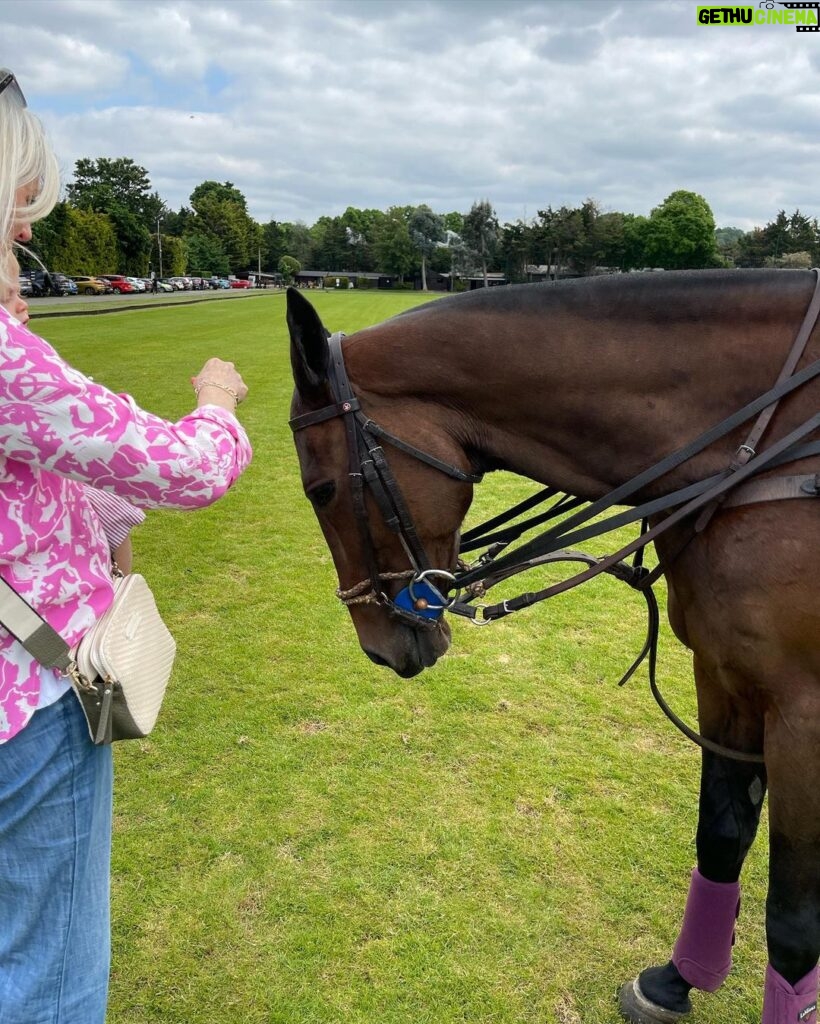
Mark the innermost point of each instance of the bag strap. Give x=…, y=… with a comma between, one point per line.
x=30, y=629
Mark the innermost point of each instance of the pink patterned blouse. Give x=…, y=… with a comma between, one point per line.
x=59, y=431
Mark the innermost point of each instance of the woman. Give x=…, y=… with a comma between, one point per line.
x=116, y=515
x=62, y=434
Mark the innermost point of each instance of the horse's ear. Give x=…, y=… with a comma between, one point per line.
x=308, y=344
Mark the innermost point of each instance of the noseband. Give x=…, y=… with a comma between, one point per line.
x=420, y=603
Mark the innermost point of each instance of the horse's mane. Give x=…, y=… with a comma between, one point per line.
x=667, y=295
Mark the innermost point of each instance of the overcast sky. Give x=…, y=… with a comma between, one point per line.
x=310, y=106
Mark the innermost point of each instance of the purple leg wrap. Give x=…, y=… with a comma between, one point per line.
x=783, y=1004
x=703, y=952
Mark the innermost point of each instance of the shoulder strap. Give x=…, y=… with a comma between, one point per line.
x=31, y=630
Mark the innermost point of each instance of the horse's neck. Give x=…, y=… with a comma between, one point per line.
x=586, y=404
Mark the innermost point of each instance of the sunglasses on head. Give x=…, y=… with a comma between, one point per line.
x=8, y=81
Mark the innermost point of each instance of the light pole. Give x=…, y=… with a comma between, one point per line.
x=159, y=246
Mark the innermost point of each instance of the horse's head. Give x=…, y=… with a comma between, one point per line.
x=390, y=513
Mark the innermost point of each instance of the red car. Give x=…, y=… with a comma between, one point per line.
x=118, y=283
x=236, y=283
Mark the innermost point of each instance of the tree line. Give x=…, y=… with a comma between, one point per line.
x=111, y=221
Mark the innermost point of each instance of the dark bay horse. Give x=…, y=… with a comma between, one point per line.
x=582, y=386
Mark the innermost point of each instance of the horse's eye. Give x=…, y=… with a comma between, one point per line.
x=322, y=494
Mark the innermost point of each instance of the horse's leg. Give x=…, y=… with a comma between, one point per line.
x=731, y=798
x=793, y=904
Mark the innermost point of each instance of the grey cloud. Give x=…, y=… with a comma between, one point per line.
x=311, y=107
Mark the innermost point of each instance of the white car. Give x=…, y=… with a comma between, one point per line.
x=136, y=283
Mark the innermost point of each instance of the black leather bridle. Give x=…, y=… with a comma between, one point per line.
x=420, y=603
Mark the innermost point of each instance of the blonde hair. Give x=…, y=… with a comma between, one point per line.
x=11, y=299
x=25, y=156
x=10, y=271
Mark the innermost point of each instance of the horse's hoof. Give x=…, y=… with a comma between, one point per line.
x=635, y=1007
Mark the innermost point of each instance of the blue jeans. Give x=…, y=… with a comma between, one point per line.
x=55, y=854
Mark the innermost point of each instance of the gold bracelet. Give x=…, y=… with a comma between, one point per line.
x=213, y=384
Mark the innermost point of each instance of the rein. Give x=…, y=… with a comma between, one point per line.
x=422, y=601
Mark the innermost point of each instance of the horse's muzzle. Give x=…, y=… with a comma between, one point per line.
x=409, y=651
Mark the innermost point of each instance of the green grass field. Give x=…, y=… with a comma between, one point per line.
x=306, y=838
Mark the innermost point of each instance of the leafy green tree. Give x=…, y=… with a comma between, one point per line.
x=134, y=241
x=175, y=261
x=426, y=230
x=120, y=189
x=289, y=267
x=784, y=236
x=454, y=222
x=803, y=233
x=480, y=233
x=791, y=261
x=590, y=244
x=440, y=261
x=178, y=223
x=221, y=211
x=76, y=241
x=609, y=229
x=394, y=248
x=776, y=234
x=726, y=243
x=681, y=233
x=48, y=238
x=559, y=231
x=104, y=184
x=463, y=258
x=361, y=227
x=752, y=248
x=92, y=242
x=330, y=244
x=790, y=234
x=725, y=237
x=206, y=254
x=298, y=243
x=635, y=229
x=273, y=243
x=514, y=248
x=222, y=192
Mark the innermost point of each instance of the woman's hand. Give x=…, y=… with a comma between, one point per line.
x=219, y=383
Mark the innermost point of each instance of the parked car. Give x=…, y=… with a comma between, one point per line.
x=118, y=283
x=236, y=282
x=156, y=285
x=44, y=283
x=136, y=283
x=92, y=285
x=26, y=288
x=178, y=283
x=66, y=284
